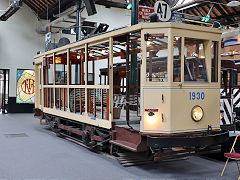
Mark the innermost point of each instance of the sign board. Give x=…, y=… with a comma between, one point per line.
x=163, y=10
x=25, y=86
x=144, y=13
x=178, y=18
x=148, y=36
x=151, y=110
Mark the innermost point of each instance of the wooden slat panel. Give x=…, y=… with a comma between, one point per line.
x=39, y=4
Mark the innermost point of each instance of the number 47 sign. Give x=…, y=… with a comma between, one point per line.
x=163, y=10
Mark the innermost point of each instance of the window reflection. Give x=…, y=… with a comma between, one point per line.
x=214, y=57
x=177, y=59
x=157, y=53
x=194, y=61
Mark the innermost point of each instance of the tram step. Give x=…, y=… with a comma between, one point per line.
x=125, y=144
x=129, y=139
x=133, y=159
x=124, y=122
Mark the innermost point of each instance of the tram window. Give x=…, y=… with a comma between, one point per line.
x=177, y=59
x=238, y=78
x=235, y=78
x=76, y=62
x=194, y=61
x=157, y=53
x=214, y=56
x=49, y=74
x=61, y=69
x=98, y=59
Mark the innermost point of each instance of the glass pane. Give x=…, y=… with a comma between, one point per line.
x=61, y=68
x=157, y=53
x=177, y=59
x=194, y=61
x=214, y=56
x=50, y=74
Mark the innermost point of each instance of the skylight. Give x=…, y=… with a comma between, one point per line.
x=183, y=2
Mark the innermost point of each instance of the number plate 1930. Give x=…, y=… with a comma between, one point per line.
x=196, y=95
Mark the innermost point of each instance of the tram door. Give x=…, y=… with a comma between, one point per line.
x=4, y=90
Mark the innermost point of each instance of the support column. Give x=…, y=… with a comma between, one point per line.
x=54, y=82
x=78, y=33
x=133, y=70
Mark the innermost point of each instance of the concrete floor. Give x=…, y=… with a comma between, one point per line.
x=42, y=155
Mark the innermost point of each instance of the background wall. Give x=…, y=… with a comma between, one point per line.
x=20, y=41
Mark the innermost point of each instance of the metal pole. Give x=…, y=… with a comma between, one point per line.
x=127, y=83
x=78, y=28
x=78, y=34
x=133, y=71
x=134, y=15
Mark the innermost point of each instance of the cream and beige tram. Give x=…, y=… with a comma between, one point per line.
x=147, y=86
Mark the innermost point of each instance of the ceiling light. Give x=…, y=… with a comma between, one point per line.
x=233, y=4
x=104, y=50
x=90, y=53
x=149, y=43
x=129, y=6
x=177, y=38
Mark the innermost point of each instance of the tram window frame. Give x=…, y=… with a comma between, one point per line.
x=98, y=58
x=149, y=68
x=177, y=59
x=196, y=55
x=62, y=63
x=214, y=61
x=46, y=70
x=77, y=64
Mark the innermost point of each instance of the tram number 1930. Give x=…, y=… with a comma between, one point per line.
x=196, y=95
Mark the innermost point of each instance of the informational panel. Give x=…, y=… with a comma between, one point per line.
x=144, y=13
x=25, y=86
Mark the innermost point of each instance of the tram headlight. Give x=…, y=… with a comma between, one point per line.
x=197, y=113
x=151, y=117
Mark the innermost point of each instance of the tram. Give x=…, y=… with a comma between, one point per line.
x=145, y=88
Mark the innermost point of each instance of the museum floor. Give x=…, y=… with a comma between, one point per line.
x=29, y=151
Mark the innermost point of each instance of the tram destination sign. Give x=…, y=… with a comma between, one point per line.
x=163, y=10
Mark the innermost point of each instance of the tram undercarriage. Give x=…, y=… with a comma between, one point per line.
x=131, y=147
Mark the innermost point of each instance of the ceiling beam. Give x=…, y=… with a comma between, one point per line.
x=208, y=8
x=34, y=8
x=233, y=8
x=32, y=2
x=108, y=3
x=55, y=9
x=204, y=10
x=39, y=3
x=201, y=14
x=194, y=13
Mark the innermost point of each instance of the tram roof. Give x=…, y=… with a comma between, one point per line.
x=130, y=29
